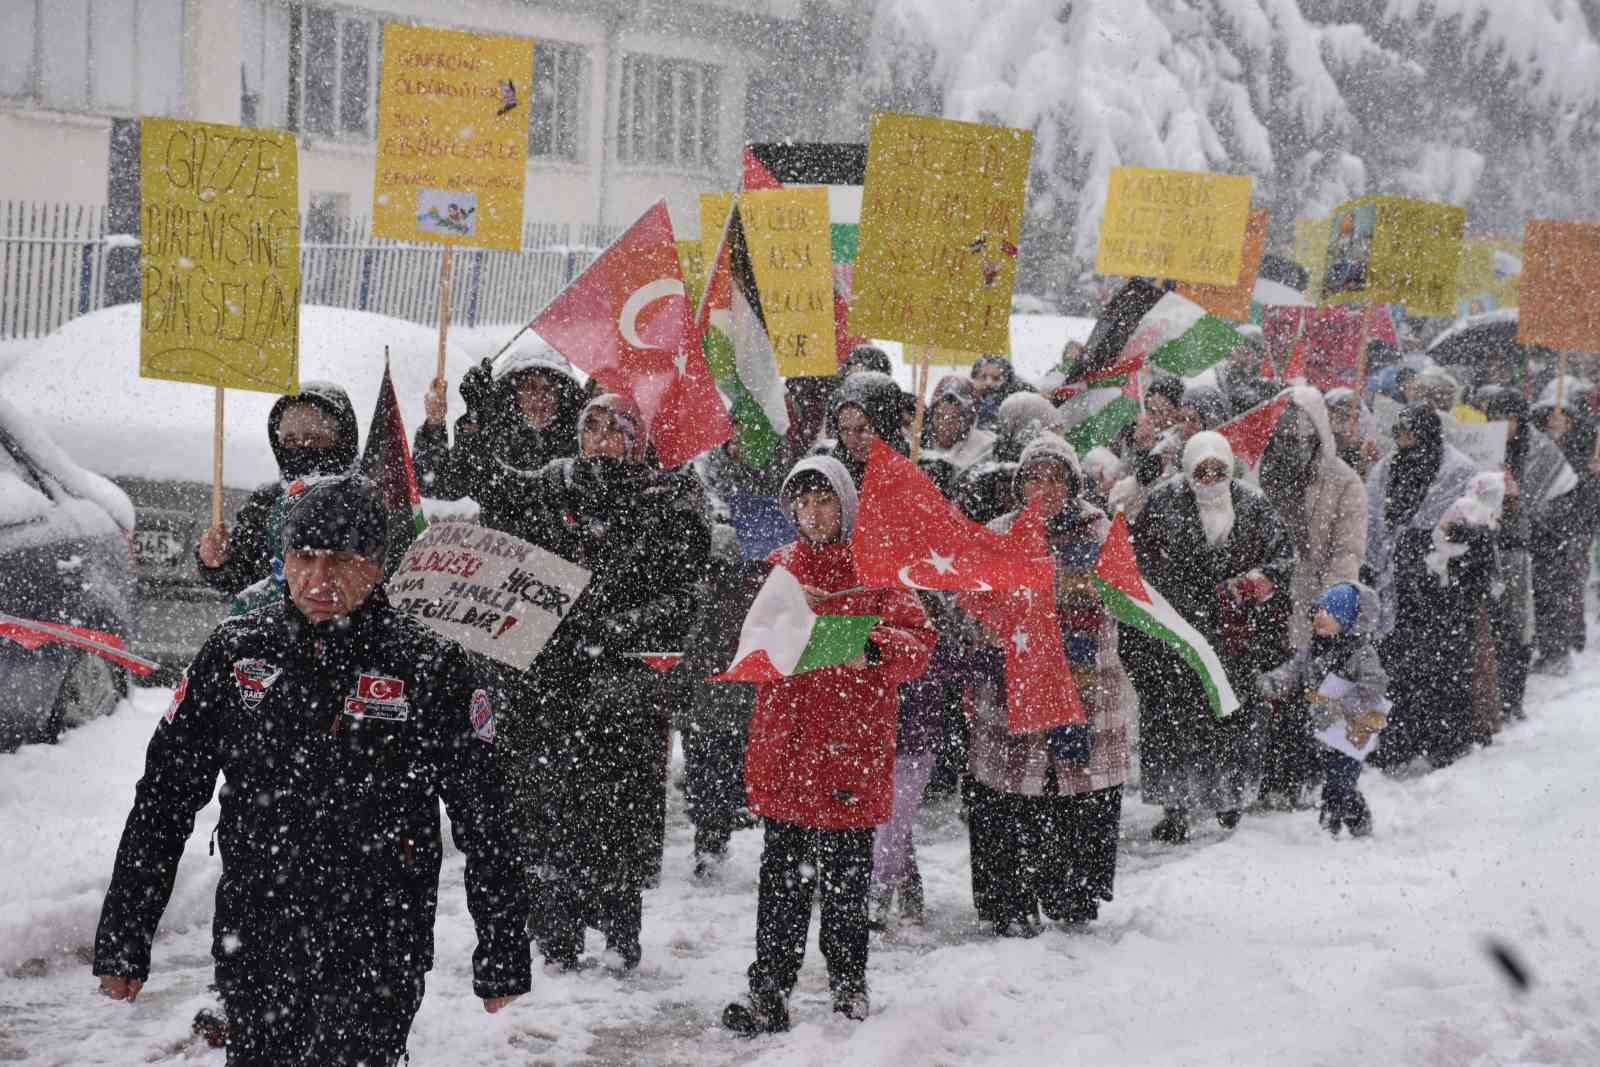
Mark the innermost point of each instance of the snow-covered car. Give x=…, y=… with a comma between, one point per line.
x=153, y=439
x=65, y=558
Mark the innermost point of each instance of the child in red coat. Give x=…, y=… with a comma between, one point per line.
x=819, y=765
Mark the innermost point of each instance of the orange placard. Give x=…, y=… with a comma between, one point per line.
x=1560, y=261
x=1233, y=301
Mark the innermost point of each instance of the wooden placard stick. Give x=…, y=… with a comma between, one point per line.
x=919, y=385
x=1559, y=423
x=444, y=304
x=216, y=461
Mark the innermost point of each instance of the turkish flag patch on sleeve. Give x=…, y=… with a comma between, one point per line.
x=482, y=715
x=177, y=697
x=380, y=689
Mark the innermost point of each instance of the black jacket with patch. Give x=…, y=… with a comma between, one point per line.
x=336, y=744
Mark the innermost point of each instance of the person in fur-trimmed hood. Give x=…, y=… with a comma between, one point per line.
x=1341, y=647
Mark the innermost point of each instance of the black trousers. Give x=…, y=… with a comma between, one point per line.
x=287, y=1014
x=1051, y=852
x=795, y=862
x=713, y=765
x=589, y=870
x=1291, y=757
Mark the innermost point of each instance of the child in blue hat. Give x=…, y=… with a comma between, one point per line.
x=1344, y=683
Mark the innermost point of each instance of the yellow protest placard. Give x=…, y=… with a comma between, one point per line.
x=940, y=357
x=1487, y=276
x=714, y=208
x=693, y=261
x=1311, y=252
x=941, y=215
x=219, y=256
x=1561, y=260
x=1394, y=250
x=452, y=137
x=791, y=251
x=1233, y=301
x=1177, y=225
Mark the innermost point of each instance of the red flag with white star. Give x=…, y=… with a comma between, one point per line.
x=908, y=535
x=626, y=320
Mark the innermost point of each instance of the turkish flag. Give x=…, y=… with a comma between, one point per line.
x=626, y=321
x=907, y=534
x=380, y=688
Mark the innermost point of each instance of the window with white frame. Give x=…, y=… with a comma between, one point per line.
x=560, y=84
x=111, y=57
x=669, y=112
x=312, y=68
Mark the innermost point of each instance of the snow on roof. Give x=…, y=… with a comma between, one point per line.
x=82, y=385
x=1036, y=344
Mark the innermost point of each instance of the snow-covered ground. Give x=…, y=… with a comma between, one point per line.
x=1274, y=945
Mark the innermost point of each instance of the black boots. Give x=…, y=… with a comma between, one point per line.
x=1173, y=829
x=762, y=1012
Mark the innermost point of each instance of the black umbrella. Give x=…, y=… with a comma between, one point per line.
x=1488, y=341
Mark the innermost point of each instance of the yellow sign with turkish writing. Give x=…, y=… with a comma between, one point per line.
x=1176, y=225
x=714, y=208
x=1394, y=250
x=1234, y=301
x=941, y=217
x=1311, y=252
x=1487, y=277
x=940, y=357
x=452, y=137
x=219, y=255
x=791, y=251
x=1561, y=260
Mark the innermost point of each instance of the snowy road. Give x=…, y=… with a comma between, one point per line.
x=1272, y=946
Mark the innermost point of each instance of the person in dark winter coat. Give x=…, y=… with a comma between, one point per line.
x=312, y=432
x=590, y=753
x=995, y=381
x=950, y=427
x=819, y=767
x=1342, y=649
x=867, y=405
x=338, y=726
x=1220, y=555
x=522, y=412
x=987, y=490
x=1427, y=627
x=1046, y=805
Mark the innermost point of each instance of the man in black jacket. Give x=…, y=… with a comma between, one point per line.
x=338, y=725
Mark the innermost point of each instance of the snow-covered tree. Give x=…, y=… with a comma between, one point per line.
x=1486, y=103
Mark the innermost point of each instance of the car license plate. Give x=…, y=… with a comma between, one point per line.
x=158, y=548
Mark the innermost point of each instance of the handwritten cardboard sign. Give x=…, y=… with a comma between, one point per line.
x=1234, y=301
x=1394, y=250
x=452, y=137
x=941, y=216
x=786, y=232
x=220, y=255
x=1487, y=277
x=1311, y=252
x=1483, y=442
x=1561, y=261
x=485, y=590
x=1178, y=225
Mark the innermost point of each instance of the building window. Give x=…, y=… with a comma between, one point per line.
x=118, y=57
x=328, y=216
x=669, y=113
x=333, y=58
x=555, y=119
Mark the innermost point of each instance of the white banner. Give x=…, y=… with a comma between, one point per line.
x=487, y=591
x=1483, y=442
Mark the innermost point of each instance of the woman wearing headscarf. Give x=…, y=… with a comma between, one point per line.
x=1428, y=627
x=1356, y=440
x=590, y=759
x=1544, y=493
x=1323, y=506
x=866, y=407
x=950, y=425
x=994, y=379
x=1574, y=426
x=1201, y=407
x=1046, y=806
x=1218, y=552
x=985, y=492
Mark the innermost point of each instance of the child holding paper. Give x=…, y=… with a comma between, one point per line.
x=1345, y=684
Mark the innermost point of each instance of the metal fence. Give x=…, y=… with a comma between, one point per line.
x=53, y=268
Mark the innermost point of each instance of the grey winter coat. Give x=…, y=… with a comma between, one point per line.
x=1361, y=666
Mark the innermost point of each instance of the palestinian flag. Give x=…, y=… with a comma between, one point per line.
x=1099, y=410
x=387, y=461
x=1136, y=603
x=778, y=634
x=1102, y=354
x=738, y=349
x=842, y=168
x=1180, y=337
x=1249, y=433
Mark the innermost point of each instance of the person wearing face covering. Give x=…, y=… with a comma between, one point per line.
x=585, y=744
x=1324, y=507
x=312, y=432
x=950, y=425
x=1426, y=626
x=1220, y=555
x=522, y=412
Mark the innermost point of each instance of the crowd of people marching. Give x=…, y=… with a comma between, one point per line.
x=1364, y=582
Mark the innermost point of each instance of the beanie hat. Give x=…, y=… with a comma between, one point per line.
x=1343, y=602
x=344, y=513
x=625, y=415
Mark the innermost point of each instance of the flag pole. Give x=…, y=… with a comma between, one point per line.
x=1561, y=395
x=216, y=461
x=514, y=339
x=444, y=303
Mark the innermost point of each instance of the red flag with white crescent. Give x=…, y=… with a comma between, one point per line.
x=626, y=321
